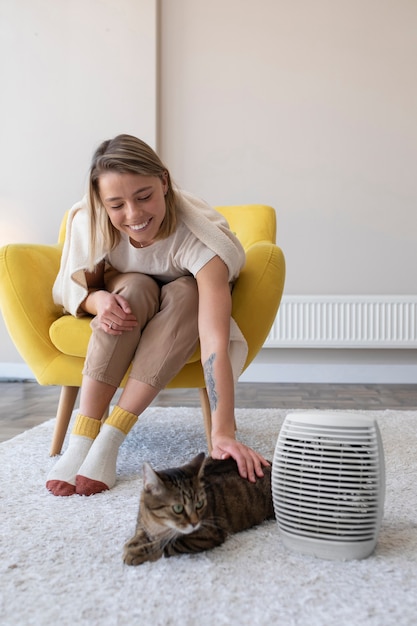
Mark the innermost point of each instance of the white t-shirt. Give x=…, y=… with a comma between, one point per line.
x=180, y=254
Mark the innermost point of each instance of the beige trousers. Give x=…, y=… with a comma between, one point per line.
x=163, y=341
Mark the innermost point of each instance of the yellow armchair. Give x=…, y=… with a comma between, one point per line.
x=54, y=345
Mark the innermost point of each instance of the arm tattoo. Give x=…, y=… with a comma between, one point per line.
x=210, y=381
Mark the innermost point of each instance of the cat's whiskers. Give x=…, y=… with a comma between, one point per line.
x=216, y=523
x=167, y=539
x=166, y=534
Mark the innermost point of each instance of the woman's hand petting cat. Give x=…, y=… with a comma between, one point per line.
x=249, y=462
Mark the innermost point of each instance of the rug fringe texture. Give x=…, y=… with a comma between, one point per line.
x=61, y=558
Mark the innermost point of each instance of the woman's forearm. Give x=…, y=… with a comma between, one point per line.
x=220, y=389
x=89, y=305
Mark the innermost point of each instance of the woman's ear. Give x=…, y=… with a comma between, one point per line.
x=165, y=185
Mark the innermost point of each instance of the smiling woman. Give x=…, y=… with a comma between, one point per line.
x=156, y=275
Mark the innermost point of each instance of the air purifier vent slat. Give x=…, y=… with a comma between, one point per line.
x=287, y=499
x=324, y=527
x=334, y=516
x=315, y=460
x=322, y=430
x=303, y=476
x=322, y=498
x=305, y=509
x=327, y=482
x=341, y=536
x=297, y=437
x=306, y=439
x=354, y=517
x=319, y=448
x=334, y=469
x=319, y=481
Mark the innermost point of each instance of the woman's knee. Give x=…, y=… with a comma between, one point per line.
x=181, y=292
x=140, y=290
x=179, y=305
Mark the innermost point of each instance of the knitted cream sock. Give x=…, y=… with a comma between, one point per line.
x=61, y=478
x=98, y=471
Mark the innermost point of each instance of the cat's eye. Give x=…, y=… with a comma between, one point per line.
x=199, y=504
x=178, y=508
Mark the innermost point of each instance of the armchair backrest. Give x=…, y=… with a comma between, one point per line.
x=252, y=223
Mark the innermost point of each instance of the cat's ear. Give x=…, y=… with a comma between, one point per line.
x=198, y=462
x=151, y=480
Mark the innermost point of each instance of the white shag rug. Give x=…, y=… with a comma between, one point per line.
x=61, y=558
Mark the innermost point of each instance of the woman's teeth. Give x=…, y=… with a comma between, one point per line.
x=139, y=226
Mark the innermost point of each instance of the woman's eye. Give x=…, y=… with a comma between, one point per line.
x=119, y=206
x=145, y=198
x=178, y=508
x=199, y=504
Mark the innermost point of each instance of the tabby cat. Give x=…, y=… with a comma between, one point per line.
x=195, y=507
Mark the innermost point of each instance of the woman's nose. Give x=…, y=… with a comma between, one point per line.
x=130, y=209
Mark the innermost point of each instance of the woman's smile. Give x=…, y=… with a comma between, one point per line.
x=137, y=227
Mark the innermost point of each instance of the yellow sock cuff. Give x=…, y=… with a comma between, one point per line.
x=121, y=419
x=86, y=426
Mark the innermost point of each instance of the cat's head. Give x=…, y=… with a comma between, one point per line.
x=174, y=499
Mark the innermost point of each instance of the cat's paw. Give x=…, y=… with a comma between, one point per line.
x=136, y=552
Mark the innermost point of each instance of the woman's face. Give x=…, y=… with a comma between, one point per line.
x=135, y=204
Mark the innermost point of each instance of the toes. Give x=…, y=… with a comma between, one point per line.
x=60, y=488
x=87, y=486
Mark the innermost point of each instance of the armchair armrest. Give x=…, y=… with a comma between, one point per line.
x=257, y=294
x=27, y=274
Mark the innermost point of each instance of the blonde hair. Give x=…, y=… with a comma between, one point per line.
x=124, y=154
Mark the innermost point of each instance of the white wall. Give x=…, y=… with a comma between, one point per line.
x=73, y=73
x=310, y=107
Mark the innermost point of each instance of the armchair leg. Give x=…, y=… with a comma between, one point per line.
x=65, y=408
x=205, y=406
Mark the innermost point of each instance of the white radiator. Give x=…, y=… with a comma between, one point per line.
x=345, y=322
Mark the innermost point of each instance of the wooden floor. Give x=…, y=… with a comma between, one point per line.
x=26, y=404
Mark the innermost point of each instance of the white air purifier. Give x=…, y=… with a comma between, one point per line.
x=328, y=484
